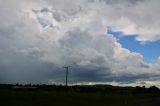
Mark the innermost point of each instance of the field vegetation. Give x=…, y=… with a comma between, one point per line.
x=96, y=95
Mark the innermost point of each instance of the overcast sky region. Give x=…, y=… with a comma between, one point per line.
x=105, y=41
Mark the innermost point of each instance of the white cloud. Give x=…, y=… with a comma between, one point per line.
x=75, y=33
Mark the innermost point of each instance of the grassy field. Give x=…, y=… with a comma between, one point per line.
x=40, y=97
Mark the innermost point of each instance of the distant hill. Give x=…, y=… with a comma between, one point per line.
x=84, y=88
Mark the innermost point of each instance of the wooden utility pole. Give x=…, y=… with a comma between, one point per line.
x=67, y=69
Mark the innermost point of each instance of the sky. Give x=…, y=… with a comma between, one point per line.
x=105, y=41
x=149, y=50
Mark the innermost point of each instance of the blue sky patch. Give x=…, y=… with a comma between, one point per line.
x=149, y=50
x=44, y=23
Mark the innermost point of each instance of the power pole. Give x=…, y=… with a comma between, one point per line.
x=67, y=68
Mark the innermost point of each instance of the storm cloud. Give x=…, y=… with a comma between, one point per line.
x=38, y=38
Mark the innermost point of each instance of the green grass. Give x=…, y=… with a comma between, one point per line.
x=13, y=97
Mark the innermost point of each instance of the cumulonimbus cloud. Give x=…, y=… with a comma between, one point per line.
x=47, y=35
